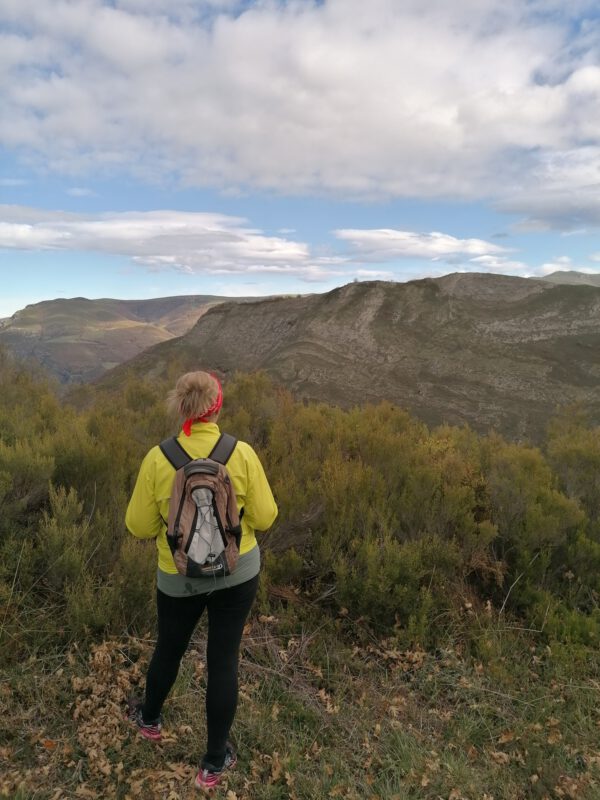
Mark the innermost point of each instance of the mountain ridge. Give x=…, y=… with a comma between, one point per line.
x=573, y=277
x=77, y=339
x=492, y=351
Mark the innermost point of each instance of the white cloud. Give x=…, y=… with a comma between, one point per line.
x=565, y=262
x=564, y=192
x=199, y=243
x=502, y=264
x=574, y=232
x=428, y=98
x=32, y=237
x=470, y=255
x=191, y=242
x=385, y=244
x=374, y=274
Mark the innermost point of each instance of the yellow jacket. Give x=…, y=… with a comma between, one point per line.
x=149, y=505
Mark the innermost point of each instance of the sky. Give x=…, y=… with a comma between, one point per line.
x=166, y=147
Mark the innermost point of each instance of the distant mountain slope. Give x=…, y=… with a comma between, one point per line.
x=78, y=339
x=488, y=350
x=573, y=278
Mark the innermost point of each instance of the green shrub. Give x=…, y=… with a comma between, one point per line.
x=25, y=469
x=396, y=583
x=282, y=569
x=62, y=543
x=573, y=448
x=548, y=614
x=397, y=523
x=90, y=607
x=134, y=585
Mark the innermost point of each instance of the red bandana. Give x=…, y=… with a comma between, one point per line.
x=216, y=406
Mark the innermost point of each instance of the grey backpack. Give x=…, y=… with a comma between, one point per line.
x=203, y=528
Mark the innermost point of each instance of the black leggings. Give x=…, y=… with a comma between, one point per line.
x=177, y=618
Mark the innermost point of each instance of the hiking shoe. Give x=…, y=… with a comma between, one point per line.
x=209, y=775
x=149, y=730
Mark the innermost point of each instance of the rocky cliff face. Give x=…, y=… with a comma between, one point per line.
x=491, y=351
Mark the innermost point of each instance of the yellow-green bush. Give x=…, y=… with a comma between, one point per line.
x=573, y=448
x=62, y=543
x=25, y=467
x=378, y=514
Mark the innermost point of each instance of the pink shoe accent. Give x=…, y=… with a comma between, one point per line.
x=209, y=778
x=151, y=731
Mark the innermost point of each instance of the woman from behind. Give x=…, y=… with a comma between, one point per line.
x=181, y=600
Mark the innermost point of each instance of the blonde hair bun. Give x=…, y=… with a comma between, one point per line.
x=194, y=393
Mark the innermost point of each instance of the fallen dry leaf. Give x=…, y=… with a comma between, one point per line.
x=506, y=737
x=276, y=768
x=49, y=744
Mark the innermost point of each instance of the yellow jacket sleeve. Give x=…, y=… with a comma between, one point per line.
x=143, y=517
x=260, y=509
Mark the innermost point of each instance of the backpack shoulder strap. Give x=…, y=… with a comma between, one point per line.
x=223, y=449
x=174, y=453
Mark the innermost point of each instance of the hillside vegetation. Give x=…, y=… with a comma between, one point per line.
x=78, y=339
x=491, y=351
x=428, y=623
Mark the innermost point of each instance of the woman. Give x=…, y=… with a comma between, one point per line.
x=197, y=400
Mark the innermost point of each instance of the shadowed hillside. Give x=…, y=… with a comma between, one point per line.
x=487, y=350
x=78, y=339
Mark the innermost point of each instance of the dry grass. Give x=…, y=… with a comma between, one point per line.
x=326, y=710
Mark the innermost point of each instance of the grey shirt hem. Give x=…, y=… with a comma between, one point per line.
x=180, y=586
